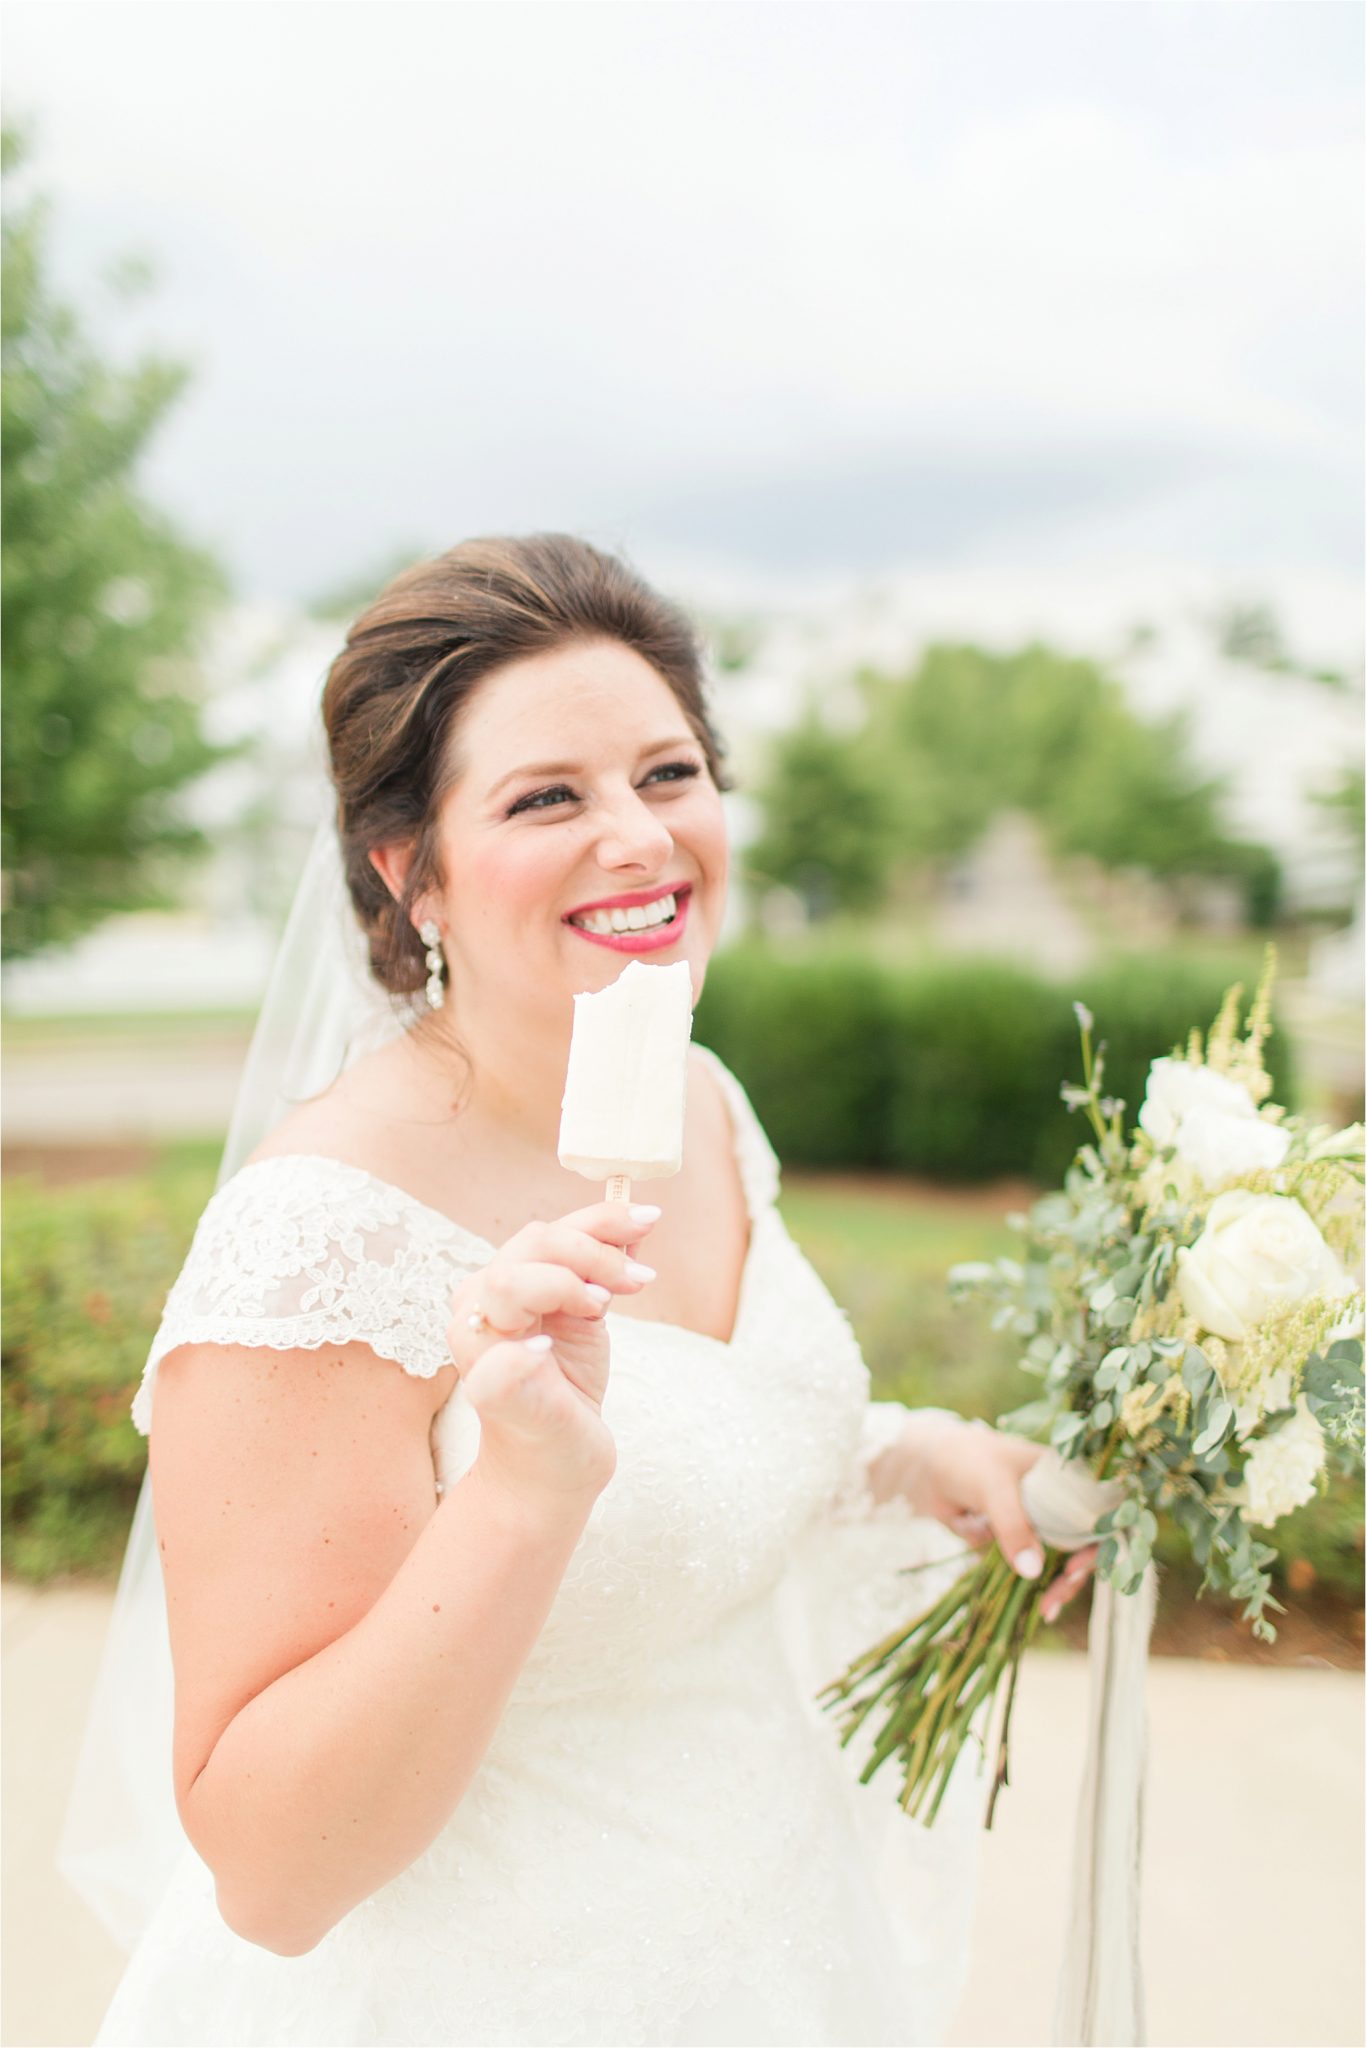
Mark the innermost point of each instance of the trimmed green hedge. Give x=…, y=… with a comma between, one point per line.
x=949, y=1068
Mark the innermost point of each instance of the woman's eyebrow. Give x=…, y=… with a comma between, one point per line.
x=537, y=768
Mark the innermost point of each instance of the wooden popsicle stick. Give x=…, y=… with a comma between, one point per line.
x=619, y=1187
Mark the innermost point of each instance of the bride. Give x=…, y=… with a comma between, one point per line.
x=506, y=1535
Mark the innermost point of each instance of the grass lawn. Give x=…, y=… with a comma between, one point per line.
x=884, y=1248
x=21, y=1033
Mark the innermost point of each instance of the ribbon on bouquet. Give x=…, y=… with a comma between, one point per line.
x=1100, y=1991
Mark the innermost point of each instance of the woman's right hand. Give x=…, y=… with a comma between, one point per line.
x=539, y=1402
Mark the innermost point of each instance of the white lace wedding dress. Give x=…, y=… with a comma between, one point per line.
x=665, y=1843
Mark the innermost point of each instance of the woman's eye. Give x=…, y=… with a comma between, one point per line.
x=544, y=799
x=537, y=801
x=677, y=771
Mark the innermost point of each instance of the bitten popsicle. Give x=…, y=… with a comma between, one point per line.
x=626, y=1085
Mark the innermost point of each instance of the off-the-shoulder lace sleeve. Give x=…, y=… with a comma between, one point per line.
x=298, y=1251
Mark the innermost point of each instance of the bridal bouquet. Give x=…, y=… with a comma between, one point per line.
x=1187, y=1303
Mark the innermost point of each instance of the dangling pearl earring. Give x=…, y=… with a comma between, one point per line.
x=430, y=935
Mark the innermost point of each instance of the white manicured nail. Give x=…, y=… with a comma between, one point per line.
x=599, y=1294
x=635, y=1271
x=540, y=1345
x=1029, y=1564
x=645, y=1212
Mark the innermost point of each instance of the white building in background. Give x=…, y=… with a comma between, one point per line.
x=1280, y=739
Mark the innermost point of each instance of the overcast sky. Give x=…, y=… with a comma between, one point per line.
x=792, y=286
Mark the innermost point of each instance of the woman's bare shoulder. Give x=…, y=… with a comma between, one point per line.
x=345, y=1122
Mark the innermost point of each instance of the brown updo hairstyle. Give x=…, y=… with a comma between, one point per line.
x=394, y=695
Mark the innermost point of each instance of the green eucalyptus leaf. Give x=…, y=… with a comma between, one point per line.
x=1120, y=1313
x=1031, y=1420
x=1220, y=1421
x=1196, y=1371
x=1108, y=1370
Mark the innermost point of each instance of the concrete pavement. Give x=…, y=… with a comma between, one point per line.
x=69, y=1094
x=1253, y=1899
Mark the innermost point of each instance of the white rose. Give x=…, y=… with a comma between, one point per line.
x=1224, y=1148
x=1211, y=1122
x=1257, y=1254
x=1280, y=1471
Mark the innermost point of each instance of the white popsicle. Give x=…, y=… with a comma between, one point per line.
x=626, y=1086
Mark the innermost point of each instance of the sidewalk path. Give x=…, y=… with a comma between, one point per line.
x=1253, y=1898
x=72, y=1094
x=1253, y=1859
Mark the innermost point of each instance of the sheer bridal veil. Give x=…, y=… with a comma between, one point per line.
x=122, y=1834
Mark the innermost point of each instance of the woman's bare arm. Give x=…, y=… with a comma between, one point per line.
x=344, y=1645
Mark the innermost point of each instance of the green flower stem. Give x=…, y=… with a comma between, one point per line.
x=947, y=1721
x=1112, y=1443
x=1005, y=1649
x=1029, y=1621
x=903, y=1674
x=927, y=1624
x=1088, y=1068
x=960, y=1660
x=903, y=1655
x=986, y=1660
x=932, y=1679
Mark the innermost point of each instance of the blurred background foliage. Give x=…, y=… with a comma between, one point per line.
x=103, y=605
x=969, y=734
x=945, y=1068
x=85, y=1274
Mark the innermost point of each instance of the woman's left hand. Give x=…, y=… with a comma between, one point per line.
x=967, y=1476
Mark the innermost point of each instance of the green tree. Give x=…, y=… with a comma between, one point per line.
x=827, y=826
x=103, y=606
x=969, y=734
x=1345, y=804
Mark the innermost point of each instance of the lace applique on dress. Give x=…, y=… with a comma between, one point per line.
x=299, y=1251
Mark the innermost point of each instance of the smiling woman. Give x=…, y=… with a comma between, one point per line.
x=417, y=655
x=541, y=853
x=501, y=1566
